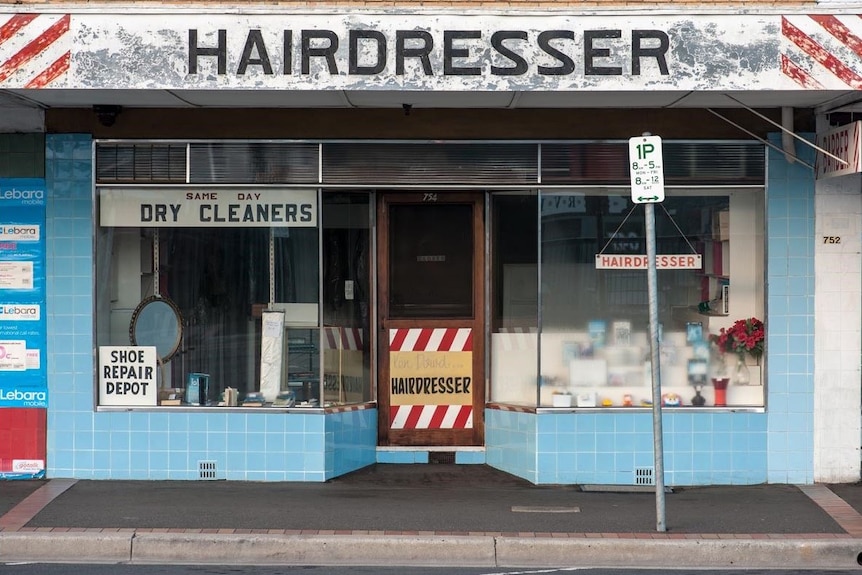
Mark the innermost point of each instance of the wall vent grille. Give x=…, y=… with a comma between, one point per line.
x=644, y=476
x=207, y=470
x=444, y=457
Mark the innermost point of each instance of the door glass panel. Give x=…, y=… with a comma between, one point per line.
x=346, y=342
x=431, y=260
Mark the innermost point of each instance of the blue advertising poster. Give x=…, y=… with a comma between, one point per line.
x=23, y=338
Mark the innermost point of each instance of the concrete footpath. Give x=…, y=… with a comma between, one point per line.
x=432, y=515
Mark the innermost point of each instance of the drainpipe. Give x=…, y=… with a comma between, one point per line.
x=787, y=142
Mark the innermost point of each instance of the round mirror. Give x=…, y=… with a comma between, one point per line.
x=157, y=322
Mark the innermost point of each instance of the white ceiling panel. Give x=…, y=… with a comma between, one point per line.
x=430, y=99
x=261, y=98
x=596, y=99
x=823, y=100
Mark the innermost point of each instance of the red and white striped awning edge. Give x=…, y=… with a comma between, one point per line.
x=35, y=49
x=822, y=51
x=431, y=339
x=431, y=417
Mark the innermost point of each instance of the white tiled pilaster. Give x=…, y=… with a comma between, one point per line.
x=837, y=329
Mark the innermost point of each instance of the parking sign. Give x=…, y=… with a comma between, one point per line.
x=646, y=169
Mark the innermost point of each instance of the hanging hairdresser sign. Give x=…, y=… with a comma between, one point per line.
x=844, y=145
x=23, y=381
x=195, y=208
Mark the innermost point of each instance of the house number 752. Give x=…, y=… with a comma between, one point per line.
x=831, y=239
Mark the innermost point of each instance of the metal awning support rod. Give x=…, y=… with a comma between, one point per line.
x=790, y=132
x=758, y=138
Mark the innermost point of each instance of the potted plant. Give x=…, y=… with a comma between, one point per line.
x=745, y=338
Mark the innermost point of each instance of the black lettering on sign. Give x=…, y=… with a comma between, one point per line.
x=219, y=51
x=658, y=52
x=126, y=387
x=402, y=52
x=254, y=43
x=451, y=52
x=326, y=52
x=591, y=53
x=464, y=53
x=366, y=35
x=429, y=385
x=520, y=67
x=567, y=65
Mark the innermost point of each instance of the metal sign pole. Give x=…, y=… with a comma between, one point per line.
x=646, y=168
x=658, y=446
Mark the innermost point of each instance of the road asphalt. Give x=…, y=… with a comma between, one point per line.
x=464, y=515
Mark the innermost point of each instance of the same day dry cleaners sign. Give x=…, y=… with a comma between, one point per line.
x=123, y=207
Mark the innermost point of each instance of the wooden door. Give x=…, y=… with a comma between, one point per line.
x=431, y=387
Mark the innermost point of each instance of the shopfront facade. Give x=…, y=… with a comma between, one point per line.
x=284, y=253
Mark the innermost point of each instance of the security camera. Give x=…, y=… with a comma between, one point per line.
x=107, y=115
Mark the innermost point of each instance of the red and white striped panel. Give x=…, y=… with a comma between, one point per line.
x=342, y=338
x=35, y=50
x=516, y=338
x=431, y=339
x=822, y=52
x=431, y=417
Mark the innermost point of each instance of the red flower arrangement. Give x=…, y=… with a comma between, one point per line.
x=745, y=336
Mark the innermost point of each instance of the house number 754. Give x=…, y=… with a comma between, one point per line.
x=831, y=239
x=429, y=197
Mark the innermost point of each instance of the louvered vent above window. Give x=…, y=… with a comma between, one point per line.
x=141, y=163
x=434, y=163
x=685, y=163
x=253, y=163
x=422, y=163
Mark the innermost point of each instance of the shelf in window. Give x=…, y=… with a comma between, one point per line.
x=711, y=313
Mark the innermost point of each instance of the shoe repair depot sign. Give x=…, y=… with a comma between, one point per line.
x=431, y=378
x=128, y=375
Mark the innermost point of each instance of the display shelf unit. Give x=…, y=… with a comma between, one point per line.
x=302, y=366
x=715, y=277
x=715, y=280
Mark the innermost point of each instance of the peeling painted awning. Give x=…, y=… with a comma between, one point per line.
x=507, y=60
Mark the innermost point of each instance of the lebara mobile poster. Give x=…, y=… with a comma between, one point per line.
x=23, y=374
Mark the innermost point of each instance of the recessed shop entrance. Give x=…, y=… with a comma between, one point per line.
x=431, y=387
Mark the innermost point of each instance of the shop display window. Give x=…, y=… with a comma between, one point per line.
x=226, y=314
x=582, y=340
x=347, y=292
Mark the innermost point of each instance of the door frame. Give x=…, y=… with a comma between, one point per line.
x=474, y=436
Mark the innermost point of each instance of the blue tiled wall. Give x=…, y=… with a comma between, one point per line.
x=351, y=440
x=401, y=456
x=510, y=442
x=706, y=448
x=83, y=443
x=790, y=317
